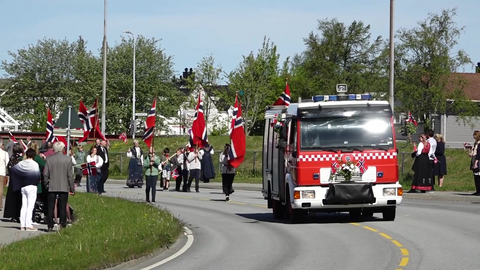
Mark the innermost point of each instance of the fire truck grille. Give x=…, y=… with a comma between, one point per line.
x=332, y=157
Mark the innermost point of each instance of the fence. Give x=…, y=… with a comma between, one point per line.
x=251, y=166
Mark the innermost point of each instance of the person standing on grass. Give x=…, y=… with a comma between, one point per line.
x=58, y=178
x=80, y=158
x=93, y=179
x=151, y=164
x=431, y=154
x=474, y=166
x=440, y=167
x=13, y=201
x=4, y=158
x=422, y=178
x=228, y=173
x=26, y=176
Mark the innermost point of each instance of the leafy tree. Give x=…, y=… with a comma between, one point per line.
x=41, y=75
x=427, y=59
x=256, y=79
x=339, y=54
x=154, y=70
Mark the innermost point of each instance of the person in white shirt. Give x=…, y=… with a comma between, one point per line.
x=94, y=178
x=431, y=154
x=194, y=161
x=4, y=158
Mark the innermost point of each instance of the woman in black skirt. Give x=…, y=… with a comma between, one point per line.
x=440, y=167
x=423, y=176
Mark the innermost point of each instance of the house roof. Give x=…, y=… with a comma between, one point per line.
x=472, y=84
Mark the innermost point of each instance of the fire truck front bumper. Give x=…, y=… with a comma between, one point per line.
x=347, y=196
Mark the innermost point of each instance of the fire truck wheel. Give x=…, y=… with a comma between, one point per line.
x=389, y=214
x=293, y=215
x=278, y=209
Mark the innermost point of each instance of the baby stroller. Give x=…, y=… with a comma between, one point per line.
x=40, y=211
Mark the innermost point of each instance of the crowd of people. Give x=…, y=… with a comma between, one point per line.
x=33, y=176
x=184, y=167
x=430, y=163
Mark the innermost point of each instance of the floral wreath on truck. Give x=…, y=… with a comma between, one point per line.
x=346, y=168
x=277, y=123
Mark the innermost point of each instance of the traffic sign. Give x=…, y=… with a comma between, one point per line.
x=341, y=88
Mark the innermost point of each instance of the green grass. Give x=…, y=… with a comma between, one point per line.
x=459, y=177
x=109, y=231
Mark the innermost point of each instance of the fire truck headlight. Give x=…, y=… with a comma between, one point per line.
x=308, y=194
x=389, y=192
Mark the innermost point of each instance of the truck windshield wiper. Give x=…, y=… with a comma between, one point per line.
x=354, y=148
x=328, y=149
x=378, y=148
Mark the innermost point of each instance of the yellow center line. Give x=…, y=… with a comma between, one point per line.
x=404, y=251
x=403, y=262
x=259, y=205
x=356, y=224
x=397, y=243
x=237, y=203
x=370, y=228
x=181, y=197
x=204, y=199
x=386, y=236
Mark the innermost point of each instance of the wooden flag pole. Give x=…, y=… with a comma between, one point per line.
x=95, y=121
x=153, y=134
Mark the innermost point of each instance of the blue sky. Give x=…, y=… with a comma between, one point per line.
x=228, y=29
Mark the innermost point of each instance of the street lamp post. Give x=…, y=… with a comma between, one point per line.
x=392, y=59
x=133, y=98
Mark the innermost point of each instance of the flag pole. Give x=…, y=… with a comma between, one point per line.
x=96, y=121
x=153, y=132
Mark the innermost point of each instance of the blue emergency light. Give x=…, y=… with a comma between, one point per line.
x=318, y=98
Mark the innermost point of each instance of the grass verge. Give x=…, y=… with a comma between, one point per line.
x=108, y=231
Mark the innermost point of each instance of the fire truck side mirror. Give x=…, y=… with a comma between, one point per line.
x=294, y=154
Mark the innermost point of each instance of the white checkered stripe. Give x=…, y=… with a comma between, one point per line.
x=356, y=156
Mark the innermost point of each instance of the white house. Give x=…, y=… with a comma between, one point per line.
x=216, y=120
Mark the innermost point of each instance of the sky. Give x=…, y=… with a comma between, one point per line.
x=190, y=30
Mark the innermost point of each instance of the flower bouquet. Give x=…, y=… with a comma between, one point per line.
x=345, y=169
x=277, y=124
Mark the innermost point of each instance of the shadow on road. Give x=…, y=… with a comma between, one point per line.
x=319, y=218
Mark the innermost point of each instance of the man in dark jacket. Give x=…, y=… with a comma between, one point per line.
x=102, y=151
x=58, y=178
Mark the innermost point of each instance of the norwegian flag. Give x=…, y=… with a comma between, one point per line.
x=199, y=128
x=15, y=141
x=85, y=119
x=175, y=174
x=334, y=167
x=50, y=126
x=361, y=165
x=237, y=137
x=411, y=119
x=94, y=123
x=284, y=98
x=150, y=124
x=123, y=137
x=89, y=168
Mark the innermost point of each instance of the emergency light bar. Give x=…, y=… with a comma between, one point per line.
x=318, y=98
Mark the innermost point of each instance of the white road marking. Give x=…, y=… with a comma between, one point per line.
x=187, y=245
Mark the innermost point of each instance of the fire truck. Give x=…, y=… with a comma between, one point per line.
x=333, y=153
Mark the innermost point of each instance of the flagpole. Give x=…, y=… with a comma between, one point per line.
x=96, y=121
x=153, y=133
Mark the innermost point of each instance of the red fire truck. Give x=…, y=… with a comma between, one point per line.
x=334, y=153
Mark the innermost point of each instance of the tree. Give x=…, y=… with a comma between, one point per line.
x=339, y=54
x=154, y=70
x=41, y=75
x=256, y=79
x=427, y=62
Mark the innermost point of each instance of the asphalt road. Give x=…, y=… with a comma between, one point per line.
x=242, y=234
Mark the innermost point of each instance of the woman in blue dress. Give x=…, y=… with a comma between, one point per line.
x=135, y=166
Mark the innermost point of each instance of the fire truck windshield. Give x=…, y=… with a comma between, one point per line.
x=356, y=132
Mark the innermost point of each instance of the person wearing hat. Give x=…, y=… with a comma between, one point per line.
x=228, y=173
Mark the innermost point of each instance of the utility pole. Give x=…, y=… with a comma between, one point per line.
x=392, y=59
x=104, y=87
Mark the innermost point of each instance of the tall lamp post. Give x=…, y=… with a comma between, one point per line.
x=392, y=59
x=133, y=98
x=104, y=85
